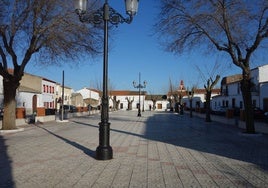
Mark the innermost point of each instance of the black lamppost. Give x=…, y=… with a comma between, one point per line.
x=105, y=15
x=190, y=96
x=139, y=87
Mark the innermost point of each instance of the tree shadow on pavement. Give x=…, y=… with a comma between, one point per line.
x=87, y=151
x=196, y=134
x=214, y=138
x=6, y=178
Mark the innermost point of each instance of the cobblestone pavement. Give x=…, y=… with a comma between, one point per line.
x=159, y=149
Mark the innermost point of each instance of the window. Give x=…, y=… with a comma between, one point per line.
x=225, y=90
x=159, y=106
x=238, y=88
x=51, y=104
x=197, y=104
x=254, y=103
x=233, y=102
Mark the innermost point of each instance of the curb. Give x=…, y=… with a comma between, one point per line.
x=11, y=131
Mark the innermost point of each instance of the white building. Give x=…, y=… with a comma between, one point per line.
x=231, y=95
x=260, y=79
x=90, y=96
x=199, y=98
x=156, y=102
x=123, y=96
x=48, y=93
x=36, y=94
x=89, y=93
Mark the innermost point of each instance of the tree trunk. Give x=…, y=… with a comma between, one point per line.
x=247, y=98
x=208, y=96
x=154, y=105
x=129, y=105
x=9, y=120
x=191, y=110
x=114, y=104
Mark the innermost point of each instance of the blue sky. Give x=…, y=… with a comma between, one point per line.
x=133, y=49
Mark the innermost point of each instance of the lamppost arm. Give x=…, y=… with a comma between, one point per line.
x=97, y=17
x=106, y=12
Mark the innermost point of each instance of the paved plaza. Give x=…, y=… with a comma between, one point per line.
x=159, y=149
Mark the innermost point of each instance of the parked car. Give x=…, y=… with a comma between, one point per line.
x=258, y=113
x=237, y=111
x=220, y=110
x=266, y=116
x=69, y=108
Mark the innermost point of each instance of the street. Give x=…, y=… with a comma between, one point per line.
x=158, y=149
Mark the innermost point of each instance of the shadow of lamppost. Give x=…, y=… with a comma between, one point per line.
x=105, y=15
x=139, y=86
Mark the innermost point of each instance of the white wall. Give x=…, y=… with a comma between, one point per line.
x=185, y=100
x=24, y=100
x=259, y=78
x=1, y=92
x=124, y=101
x=48, y=95
x=263, y=93
x=234, y=89
x=87, y=93
x=263, y=76
x=144, y=103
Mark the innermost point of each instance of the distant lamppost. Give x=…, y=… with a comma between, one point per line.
x=105, y=15
x=143, y=101
x=191, y=95
x=139, y=86
x=171, y=98
x=180, y=102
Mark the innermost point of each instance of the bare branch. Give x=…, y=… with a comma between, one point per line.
x=232, y=26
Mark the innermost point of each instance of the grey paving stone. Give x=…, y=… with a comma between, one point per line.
x=159, y=149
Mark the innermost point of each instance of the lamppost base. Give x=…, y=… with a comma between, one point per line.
x=104, y=153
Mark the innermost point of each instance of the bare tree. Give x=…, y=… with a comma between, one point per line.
x=235, y=27
x=190, y=95
x=129, y=103
x=111, y=97
x=154, y=99
x=47, y=31
x=209, y=87
x=115, y=102
x=173, y=95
